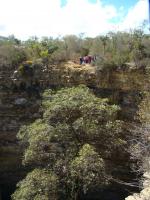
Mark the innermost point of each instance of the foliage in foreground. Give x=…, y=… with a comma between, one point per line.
x=39, y=184
x=69, y=145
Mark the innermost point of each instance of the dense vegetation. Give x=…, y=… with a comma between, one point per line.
x=112, y=50
x=68, y=147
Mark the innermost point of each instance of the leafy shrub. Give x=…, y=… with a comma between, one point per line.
x=105, y=65
x=11, y=55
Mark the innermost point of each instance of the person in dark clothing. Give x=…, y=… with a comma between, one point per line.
x=81, y=60
x=89, y=59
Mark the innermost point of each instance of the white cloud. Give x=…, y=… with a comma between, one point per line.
x=25, y=18
x=135, y=16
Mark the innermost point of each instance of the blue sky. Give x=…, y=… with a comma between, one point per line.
x=25, y=18
x=127, y=4
x=118, y=3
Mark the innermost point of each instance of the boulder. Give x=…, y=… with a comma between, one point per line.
x=20, y=101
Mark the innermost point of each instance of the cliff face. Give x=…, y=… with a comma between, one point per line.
x=20, y=102
x=145, y=193
x=16, y=109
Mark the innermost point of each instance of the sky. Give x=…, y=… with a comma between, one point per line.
x=56, y=18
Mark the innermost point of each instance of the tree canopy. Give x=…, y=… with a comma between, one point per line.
x=69, y=144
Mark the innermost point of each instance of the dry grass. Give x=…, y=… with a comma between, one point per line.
x=75, y=66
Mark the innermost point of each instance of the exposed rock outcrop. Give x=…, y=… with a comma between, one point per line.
x=145, y=193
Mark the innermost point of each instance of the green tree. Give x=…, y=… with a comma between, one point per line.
x=77, y=132
x=72, y=46
x=138, y=49
x=38, y=184
x=104, y=40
